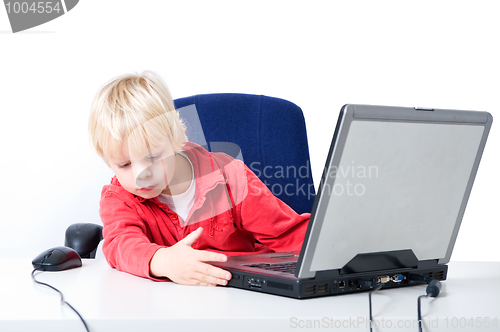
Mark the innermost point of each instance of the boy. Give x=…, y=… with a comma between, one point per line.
x=172, y=206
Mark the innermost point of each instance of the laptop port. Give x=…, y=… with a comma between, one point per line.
x=255, y=283
x=397, y=278
x=341, y=284
x=384, y=279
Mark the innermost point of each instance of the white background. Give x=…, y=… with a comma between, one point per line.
x=317, y=54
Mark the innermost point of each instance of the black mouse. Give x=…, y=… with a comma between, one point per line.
x=57, y=259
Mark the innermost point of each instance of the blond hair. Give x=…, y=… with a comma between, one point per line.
x=136, y=106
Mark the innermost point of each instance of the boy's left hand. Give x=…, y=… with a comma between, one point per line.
x=184, y=265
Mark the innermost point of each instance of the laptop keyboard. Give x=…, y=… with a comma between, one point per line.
x=282, y=267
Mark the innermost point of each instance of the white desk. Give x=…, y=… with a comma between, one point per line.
x=110, y=300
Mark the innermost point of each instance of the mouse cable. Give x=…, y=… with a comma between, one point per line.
x=432, y=290
x=62, y=297
x=376, y=287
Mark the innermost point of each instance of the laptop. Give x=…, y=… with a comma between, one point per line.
x=390, y=203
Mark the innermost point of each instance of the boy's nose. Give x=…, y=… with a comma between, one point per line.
x=144, y=175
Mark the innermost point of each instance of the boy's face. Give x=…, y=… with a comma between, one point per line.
x=145, y=176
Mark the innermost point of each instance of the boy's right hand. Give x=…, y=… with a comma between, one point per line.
x=185, y=265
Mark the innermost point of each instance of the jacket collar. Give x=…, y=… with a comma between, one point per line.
x=206, y=169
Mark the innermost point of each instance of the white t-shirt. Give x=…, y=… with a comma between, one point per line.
x=181, y=204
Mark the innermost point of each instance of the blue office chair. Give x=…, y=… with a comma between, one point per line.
x=268, y=134
x=271, y=134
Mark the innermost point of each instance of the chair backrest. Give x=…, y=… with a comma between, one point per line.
x=270, y=132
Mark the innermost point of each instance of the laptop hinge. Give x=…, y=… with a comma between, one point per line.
x=377, y=261
x=427, y=263
x=328, y=274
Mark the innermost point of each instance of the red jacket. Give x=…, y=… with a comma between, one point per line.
x=135, y=228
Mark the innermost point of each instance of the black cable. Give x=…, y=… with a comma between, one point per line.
x=371, y=284
x=377, y=287
x=62, y=297
x=432, y=290
x=419, y=314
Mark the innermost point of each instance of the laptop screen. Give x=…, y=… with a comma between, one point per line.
x=394, y=184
